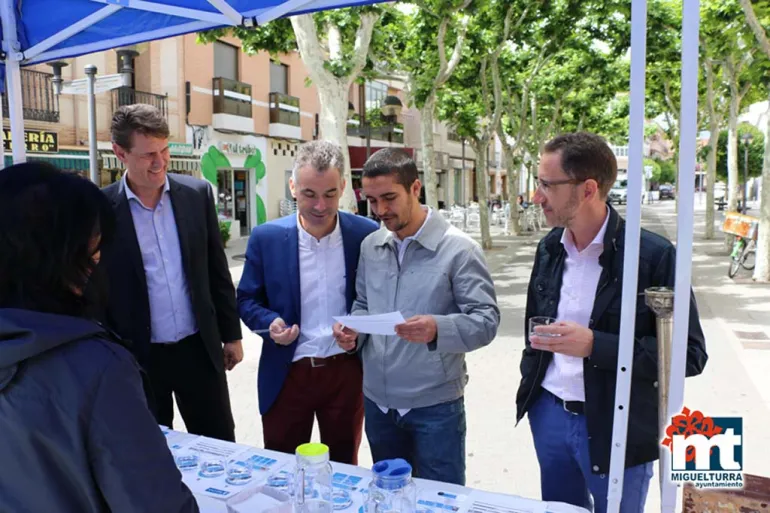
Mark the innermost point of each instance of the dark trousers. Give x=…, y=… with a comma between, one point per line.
x=185, y=370
x=331, y=391
x=431, y=439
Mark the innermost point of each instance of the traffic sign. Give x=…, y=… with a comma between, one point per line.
x=103, y=84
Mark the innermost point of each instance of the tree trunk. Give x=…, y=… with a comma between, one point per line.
x=762, y=270
x=711, y=170
x=332, y=90
x=482, y=189
x=512, y=168
x=711, y=161
x=733, y=183
x=332, y=122
x=428, y=154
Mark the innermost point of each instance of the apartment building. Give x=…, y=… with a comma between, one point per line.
x=236, y=120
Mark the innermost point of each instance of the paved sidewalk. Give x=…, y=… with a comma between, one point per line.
x=736, y=381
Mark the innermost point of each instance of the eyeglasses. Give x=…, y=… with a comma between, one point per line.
x=546, y=184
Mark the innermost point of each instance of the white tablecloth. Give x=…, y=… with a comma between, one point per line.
x=499, y=503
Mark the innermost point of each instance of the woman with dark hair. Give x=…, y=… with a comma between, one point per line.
x=75, y=432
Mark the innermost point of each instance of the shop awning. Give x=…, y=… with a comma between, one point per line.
x=66, y=160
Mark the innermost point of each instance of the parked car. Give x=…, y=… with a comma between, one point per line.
x=666, y=190
x=619, y=192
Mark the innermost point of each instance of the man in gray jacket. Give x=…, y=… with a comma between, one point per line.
x=437, y=277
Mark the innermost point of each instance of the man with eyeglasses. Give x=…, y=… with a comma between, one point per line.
x=569, y=363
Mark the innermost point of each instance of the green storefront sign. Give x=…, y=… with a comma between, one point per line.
x=175, y=148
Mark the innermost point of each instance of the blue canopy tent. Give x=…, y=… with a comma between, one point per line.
x=35, y=31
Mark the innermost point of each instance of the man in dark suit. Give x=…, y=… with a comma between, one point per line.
x=171, y=294
x=300, y=272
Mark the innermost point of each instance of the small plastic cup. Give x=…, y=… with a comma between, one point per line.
x=541, y=321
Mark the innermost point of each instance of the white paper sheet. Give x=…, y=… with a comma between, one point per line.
x=380, y=324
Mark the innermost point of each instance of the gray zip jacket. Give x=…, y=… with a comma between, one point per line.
x=444, y=274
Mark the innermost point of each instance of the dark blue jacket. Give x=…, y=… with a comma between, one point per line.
x=657, y=264
x=269, y=288
x=75, y=432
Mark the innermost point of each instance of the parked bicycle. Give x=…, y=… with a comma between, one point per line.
x=744, y=230
x=743, y=255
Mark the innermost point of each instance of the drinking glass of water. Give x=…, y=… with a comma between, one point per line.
x=541, y=321
x=212, y=467
x=238, y=472
x=186, y=459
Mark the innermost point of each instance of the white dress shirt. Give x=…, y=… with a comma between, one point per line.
x=322, y=289
x=401, y=246
x=564, y=376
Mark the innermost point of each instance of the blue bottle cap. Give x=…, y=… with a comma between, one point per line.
x=392, y=474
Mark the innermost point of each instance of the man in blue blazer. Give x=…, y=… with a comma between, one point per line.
x=300, y=272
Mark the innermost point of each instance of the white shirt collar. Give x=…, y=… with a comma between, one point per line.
x=569, y=243
x=308, y=240
x=399, y=241
x=130, y=194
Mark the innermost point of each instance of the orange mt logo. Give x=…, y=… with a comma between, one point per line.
x=705, y=451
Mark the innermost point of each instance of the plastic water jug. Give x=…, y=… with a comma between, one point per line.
x=392, y=489
x=313, y=479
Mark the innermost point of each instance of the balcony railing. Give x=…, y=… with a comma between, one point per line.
x=128, y=96
x=284, y=109
x=232, y=97
x=378, y=133
x=40, y=103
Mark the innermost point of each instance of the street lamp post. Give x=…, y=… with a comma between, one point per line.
x=747, y=139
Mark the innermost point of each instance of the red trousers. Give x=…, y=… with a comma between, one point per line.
x=329, y=389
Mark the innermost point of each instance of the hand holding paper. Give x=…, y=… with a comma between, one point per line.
x=420, y=329
x=380, y=324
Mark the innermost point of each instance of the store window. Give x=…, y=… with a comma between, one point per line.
x=375, y=94
x=225, y=60
x=225, y=193
x=279, y=78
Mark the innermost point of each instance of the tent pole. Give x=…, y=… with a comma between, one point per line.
x=13, y=57
x=685, y=224
x=2, y=146
x=631, y=257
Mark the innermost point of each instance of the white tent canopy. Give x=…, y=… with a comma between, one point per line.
x=35, y=31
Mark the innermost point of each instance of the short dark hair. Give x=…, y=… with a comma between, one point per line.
x=137, y=119
x=392, y=161
x=48, y=222
x=586, y=156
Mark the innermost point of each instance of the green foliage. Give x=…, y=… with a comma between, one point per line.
x=667, y=172
x=756, y=152
x=656, y=169
x=277, y=37
x=224, y=231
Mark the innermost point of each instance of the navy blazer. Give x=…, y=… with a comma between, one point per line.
x=269, y=288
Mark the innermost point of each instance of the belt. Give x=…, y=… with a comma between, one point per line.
x=573, y=407
x=312, y=361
